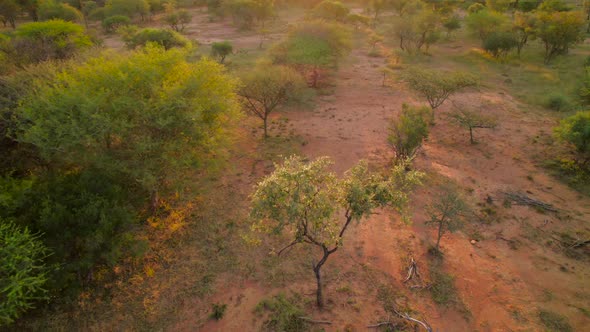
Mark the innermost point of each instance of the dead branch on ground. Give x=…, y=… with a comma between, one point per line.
x=522, y=199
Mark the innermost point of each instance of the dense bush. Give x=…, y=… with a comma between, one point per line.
x=111, y=24
x=408, y=131
x=164, y=37
x=221, y=50
x=558, y=102
x=23, y=274
x=331, y=10
x=54, y=39
x=51, y=9
x=575, y=130
x=130, y=8
x=178, y=19
x=499, y=43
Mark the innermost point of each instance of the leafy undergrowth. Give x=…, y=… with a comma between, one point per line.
x=554, y=321
x=282, y=313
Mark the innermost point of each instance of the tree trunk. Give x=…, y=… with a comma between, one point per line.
x=471, y=135
x=440, y=227
x=318, y=276
x=265, y=126
x=154, y=201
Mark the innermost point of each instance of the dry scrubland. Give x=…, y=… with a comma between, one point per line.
x=179, y=199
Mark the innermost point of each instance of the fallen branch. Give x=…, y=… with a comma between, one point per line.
x=521, y=199
x=408, y=317
x=313, y=321
x=380, y=324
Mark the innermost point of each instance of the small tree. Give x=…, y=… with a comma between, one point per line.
x=498, y=44
x=484, y=22
x=50, y=9
x=112, y=23
x=408, y=131
x=221, y=50
x=575, y=130
x=471, y=120
x=523, y=26
x=9, y=11
x=178, y=19
x=559, y=31
x=446, y=212
x=437, y=86
x=451, y=24
x=317, y=208
x=331, y=10
x=164, y=37
x=266, y=88
x=130, y=8
x=23, y=273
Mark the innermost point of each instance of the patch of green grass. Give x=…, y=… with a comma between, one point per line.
x=444, y=292
x=218, y=311
x=284, y=314
x=570, y=173
x=554, y=322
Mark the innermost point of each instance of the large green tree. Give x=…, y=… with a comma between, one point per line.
x=559, y=31
x=144, y=116
x=317, y=208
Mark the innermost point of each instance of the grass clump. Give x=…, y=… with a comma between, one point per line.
x=284, y=314
x=218, y=311
x=554, y=321
x=558, y=102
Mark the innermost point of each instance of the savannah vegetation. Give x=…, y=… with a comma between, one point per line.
x=285, y=164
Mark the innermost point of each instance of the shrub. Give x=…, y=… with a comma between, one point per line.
x=331, y=10
x=437, y=86
x=285, y=314
x=112, y=23
x=575, y=130
x=53, y=39
x=408, y=131
x=554, y=321
x=178, y=19
x=23, y=273
x=49, y=10
x=221, y=50
x=499, y=43
x=558, y=102
x=476, y=7
x=482, y=23
x=130, y=8
x=218, y=311
x=164, y=37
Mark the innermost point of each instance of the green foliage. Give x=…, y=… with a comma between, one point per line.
x=475, y=7
x=558, y=102
x=312, y=46
x=331, y=10
x=575, y=130
x=452, y=23
x=266, y=88
x=316, y=207
x=559, y=31
x=163, y=37
x=218, y=311
x=437, y=86
x=482, y=23
x=500, y=43
x=144, y=116
x=443, y=290
x=9, y=10
x=528, y=6
x=408, y=131
x=50, y=9
x=447, y=211
x=554, y=6
x=54, y=39
x=471, y=119
x=23, y=273
x=178, y=19
x=221, y=50
x=584, y=91
x=554, y=321
x=284, y=314
x=84, y=217
x=112, y=23
x=418, y=30
x=130, y=8
x=246, y=12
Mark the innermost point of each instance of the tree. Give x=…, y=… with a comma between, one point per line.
x=130, y=8
x=221, y=50
x=451, y=24
x=559, y=31
x=482, y=23
x=437, y=86
x=311, y=47
x=143, y=117
x=498, y=44
x=9, y=10
x=266, y=88
x=575, y=130
x=178, y=19
x=523, y=26
x=553, y=6
x=446, y=212
x=471, y=120
x=23, y=273
x=164, y=37
x=243, y=13
x=408, y=131
x=112, y=23
x=418, y=30
x=30, y=6
x=317, y=208
x=49, y=9
x=331, y=10
x=53, y=39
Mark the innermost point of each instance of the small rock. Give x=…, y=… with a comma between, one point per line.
x=473, y=242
